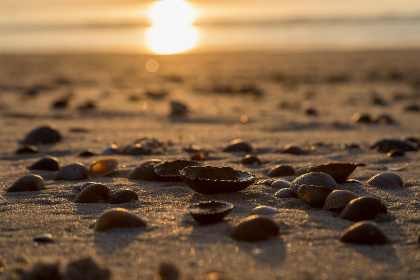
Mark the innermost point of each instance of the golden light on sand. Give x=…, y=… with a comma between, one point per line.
x=152, y=65
x=172, y=31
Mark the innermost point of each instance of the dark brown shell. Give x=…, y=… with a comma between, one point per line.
x=386, y=180
x=363, y=208
x=27, y=149
x=72, y=172
x=169, y=170
x=42, y=135
x=136, y=150
x=339, y=171
x=362, y=118
x=238, y=146
x=118, y=218
x=93, y=193
x=294, y=150
x=86, y=153
x=255, y=228
x=248, y=159
x=281, y=170
x=211, y=180
x=338, y=199
x=365, y=232
x=28, y=183
x=145, y=171
x=122, y=196
x=47, y=163
x=387, y=145
x=103, y=167
x=313, y=178
x=210, y=212
x=313, y=196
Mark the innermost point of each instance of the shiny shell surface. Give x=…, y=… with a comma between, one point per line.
x=281, y=184
x=238, y=145
x=93, y=193
x=28, y=183
x=314, y=178
x=118, y=218
x=363, y=208
x=338, y=170
x=386, y=180
x=313, y=196
x=284, y=193
x=72, y=172
x=364, y=232
x=255, y=228
x=103, y=167
x=42, y=135
x=281, y=170
x=169, y=170
x=122, y=196
x=264, y=210
x=211, y=180
x=47, y=163
x=210, y=212
x=338, y=199
x=145, y=171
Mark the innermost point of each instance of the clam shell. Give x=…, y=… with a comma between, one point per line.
x=313, y=196
x=387, y=145
x=103, y=167
x=47, y=163
x=238, y=145
x=264, y=210
x=145, y=171
x=386, y=180
x=167, y=271
x=285, y=193
x=72, y=172
x=79, y=188
x=265, y=182
x=27, y=149
x=136, y=150
x=210, y=212
x=281, y=184
x=363, y=208
x=42, y=135
x=314, y=178
x=93, y=193
x=28, y=183
x=118, y=218
x=255, y=228
x=338, y=199
x=365, y=232
x=44, y=238
x=294, y=150
x=281, y=170
x=86, y=153
x=111, y=150
x=339, y=171
x=362, y=118
x=169, y=170
x=248, y=159
x=212, y=180
x=178, y=108
x=122, y=196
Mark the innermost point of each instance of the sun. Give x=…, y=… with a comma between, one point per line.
x=172, y=12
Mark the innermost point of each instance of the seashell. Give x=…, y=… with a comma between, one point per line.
x=103, y=167
x=122, y=196
x=44, y=238
x=281, y=184
x=72, y=172
x=93, y=193
x=198, y=156
x=47, y=163
x=264, y=210
x=248, y=159
x=27, y=149
x=362, y=118
x=178, y=108
x=118, y=218
x=111, y=150
x=313, y=178
x=145, y=171
x=395, y=153
x=284, y=193
x=42, y=135
x=149, y=143
x=364, y=232
x=387, y=145
x=210, y=212
x=384, y=119
x=137, y=150
x=212, y=180
x=338, y=199
x=86, y=153
x=397, y=168
x=255, y=228
x=169, y=170
x=167, y=271
x=294, y=150
x=281, y=170
x=28, y=183
x=363, y=208
x=238, y=145
x=386, y=180
x=412, y=108
x=339, y=171
x=314, y=196
x=265, y=182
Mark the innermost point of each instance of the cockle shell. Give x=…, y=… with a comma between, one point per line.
x=93, y=193
x=211, y=180
x=118, y=218
x=313, y=196
x=386, y=180
x=294, y=150
x=249, y=159
x=122, y=196
x=145, y=171
x=338, y=199
x=255, y=228
x=72, y=172
x=339, y=171
x=313, y=178
x=210, y=212
x=27, y=183
x=103, y=167
x=363, y=208
x=238, y=145
x=281, y=170
x=47, y=163
x=364, y=232
x=387, y=145
x=264, y=210
x=42, y=135
x=284, y=193
x=281, y=184
x=169, y=170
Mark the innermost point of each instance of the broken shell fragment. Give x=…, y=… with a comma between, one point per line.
x=363, y=208
x=386, y=180
x=313, y=196
x=47, y=163
x=72, y=172
x=118, y=218
x=28, y=183
x=255, y=228
x=338, y=199
x=338, y=170
x=313, y=178
x=365, y=232
x=122, y=196
x=93, y=193
x=210, y=212
x=103, y=167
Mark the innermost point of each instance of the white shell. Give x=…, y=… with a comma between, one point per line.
x=281, y=184
x=338, y=199
x=319, y=179
x=264, y=210
x=386, y=180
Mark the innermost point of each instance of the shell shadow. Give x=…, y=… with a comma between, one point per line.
x=115, y=239
x=271, y=253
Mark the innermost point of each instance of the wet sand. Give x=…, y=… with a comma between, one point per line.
x=262, y=98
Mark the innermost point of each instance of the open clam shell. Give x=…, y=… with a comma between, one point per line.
x=27, y=183
x=313, y=196
x=118, y=218
x=255, y=228
x=103, y=167
x=365, y=232
x=338, y=170
x=210, y=212
x=363, y=208
x=122, y=196
x=93, y=193
x=314, y=178
x=338, y=199
x=169, y=170
x=72, y=172
x=145, y=171
x=386, y=180
x=212, y=180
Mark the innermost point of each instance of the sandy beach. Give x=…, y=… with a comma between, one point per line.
x=267, y=99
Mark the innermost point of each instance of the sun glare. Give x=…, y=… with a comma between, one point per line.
x=172, y=30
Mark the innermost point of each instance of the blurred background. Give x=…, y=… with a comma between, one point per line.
x=174, y=26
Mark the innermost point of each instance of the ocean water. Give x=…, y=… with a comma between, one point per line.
x=28, y=26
